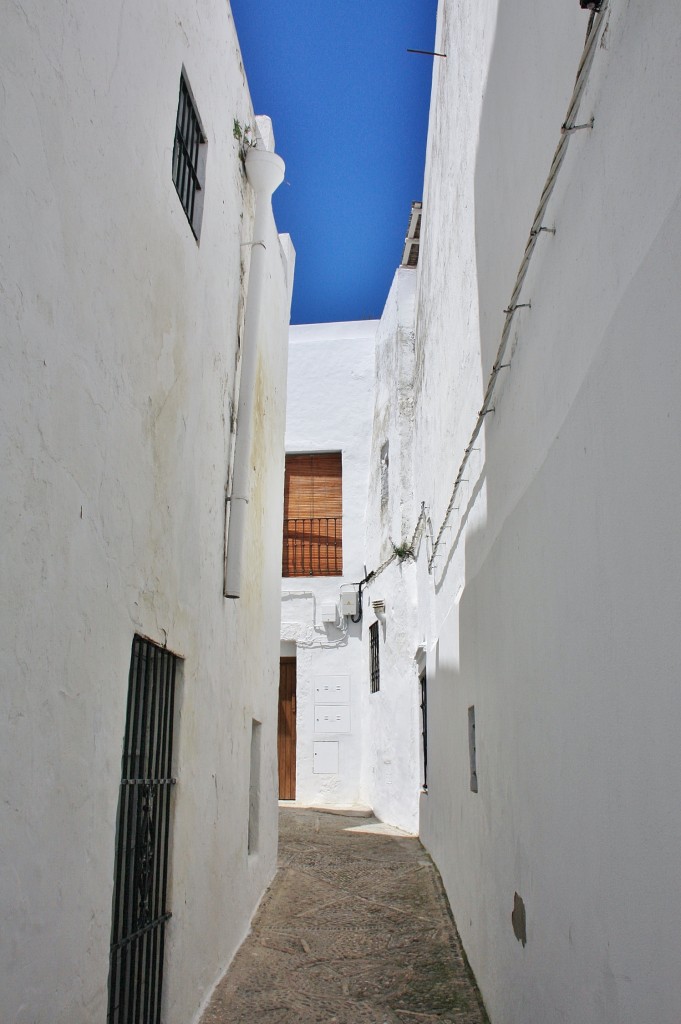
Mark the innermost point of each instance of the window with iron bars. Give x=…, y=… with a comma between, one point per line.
x=375, y=676
x=313, y=515
x=424, y=728
x=189, y=159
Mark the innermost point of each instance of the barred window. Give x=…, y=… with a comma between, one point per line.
x=385, y=479
x=424, y=728
x=189, y=159
x=313, y=515
x=373, y=647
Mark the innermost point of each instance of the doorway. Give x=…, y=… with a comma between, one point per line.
x=286, y=734
x=140, y=910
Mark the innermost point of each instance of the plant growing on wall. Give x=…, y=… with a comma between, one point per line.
x=245, y=136
x=403, y=551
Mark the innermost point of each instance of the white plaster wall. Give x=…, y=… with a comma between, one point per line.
x=392, y=757
x=329, y=408
x=554, y=603
x=119, y=338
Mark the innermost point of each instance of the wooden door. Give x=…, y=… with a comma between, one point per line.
x=286, y=737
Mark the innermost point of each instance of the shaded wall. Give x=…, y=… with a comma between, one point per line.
x=552, y=603
x=120, y=363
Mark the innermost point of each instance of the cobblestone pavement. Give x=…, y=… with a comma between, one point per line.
x=354, y=930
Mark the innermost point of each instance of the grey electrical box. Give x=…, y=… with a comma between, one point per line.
x=349, y=602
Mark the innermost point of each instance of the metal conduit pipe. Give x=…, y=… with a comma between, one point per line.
x=265, y=173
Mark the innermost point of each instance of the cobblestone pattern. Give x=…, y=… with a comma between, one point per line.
x=354, y=930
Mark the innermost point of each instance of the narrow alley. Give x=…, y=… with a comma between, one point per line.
x=355, y=929
x=340, y=380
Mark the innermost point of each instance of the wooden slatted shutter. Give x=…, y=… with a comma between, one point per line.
x=313, y=509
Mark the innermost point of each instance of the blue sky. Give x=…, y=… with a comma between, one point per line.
x=350, y=113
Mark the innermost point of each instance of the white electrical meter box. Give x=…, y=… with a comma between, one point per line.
x=325, y=759
x=332, y=718
x=332, y=690
x=330, y=612
x=349, y=602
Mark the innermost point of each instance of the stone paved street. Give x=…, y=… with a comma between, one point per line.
x=355, y=930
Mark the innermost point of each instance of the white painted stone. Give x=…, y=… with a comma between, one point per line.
x=117, y=389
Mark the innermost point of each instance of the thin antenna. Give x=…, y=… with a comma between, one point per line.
x=428, y=53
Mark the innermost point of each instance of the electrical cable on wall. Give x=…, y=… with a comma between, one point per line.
x=568, y=128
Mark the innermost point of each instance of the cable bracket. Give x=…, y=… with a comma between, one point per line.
x=566, y=129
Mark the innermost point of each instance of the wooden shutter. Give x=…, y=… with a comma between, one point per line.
x=313, y=486
x=313, y=509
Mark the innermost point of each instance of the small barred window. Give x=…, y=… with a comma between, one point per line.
x=375, y=670
x=189, y=158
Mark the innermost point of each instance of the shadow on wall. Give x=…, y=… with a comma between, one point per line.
x=549, y=647
x=519, y=129
x=484, y=673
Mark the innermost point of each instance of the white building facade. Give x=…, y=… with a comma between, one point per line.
x=540, y=556
x=328, y=439
x=129, y=265
x=395, y=770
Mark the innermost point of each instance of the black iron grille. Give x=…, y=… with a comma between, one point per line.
x=373, y=645
x=424, y=727
x=142, y=839
x=313, y=547
x=188, y=139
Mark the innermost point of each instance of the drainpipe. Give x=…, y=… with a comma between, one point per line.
x=265, y=173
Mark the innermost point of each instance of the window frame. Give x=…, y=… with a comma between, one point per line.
x=189, y=156
x=312, y=544
x=384, y=466
x=374, y=659
x=423, y=706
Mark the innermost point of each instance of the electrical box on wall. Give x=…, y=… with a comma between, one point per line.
x=325, y=761
x=332, y=689
x=349, y=602
x=332, y=718
x=330, y=612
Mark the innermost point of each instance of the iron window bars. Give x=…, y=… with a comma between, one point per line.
x=313, y=546
x=142, y=839
x=187, y=169
x=375, y=669
x=424, y=727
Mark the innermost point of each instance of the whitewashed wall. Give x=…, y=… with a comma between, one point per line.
x=329, y=408
x=554, y=604
x=119, y=339
x=392, y=768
